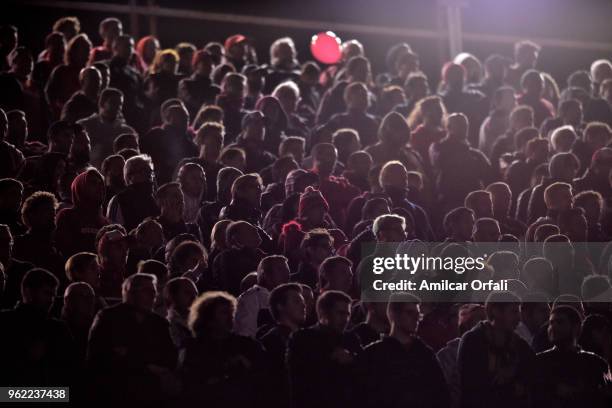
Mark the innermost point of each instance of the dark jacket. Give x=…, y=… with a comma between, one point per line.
x=393, y=375
x=122, y=343
x=317, y=380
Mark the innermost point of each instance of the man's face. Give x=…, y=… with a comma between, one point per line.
x=184, y=297
x=124, y=48
x=338, y=317
x=91, y=275
x=560, y=329
x=237, y=51
x=141, y=173
x=96, y=189
x=321, y=250
x=341, y=278
x=487, y=232
x=41, y=298
x=192, y=182
x=143, y=296
x=508, y=316
x=295, y=307
x=407, y=318
x=64, y=140
x=252, y=193
x=484, y=206
x=325, y=160
x=111, y=108
x=43, y=218
x=393, y=233
x=279, y=274
x=213, y=145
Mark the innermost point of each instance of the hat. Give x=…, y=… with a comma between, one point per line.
x=233, y=40
x=200, y=56
x=310, y=198
x=251, y=117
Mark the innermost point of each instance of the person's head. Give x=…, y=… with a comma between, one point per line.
x=90, y=79
x=149, y=234
x=234, y=84
x=147, y=48
x=324, y=157
x=597, y=135
x=360, y=162
x=601, y=70
x=287, y=304
x=564, y=326
x=526, y=53
x=335, y=274
x=69, y=26
x=532, y=83
x=186, y=256
x=605, y=90
x=79, y=303
x=459, y=223
x=317, y=245
x=558, y=196
x=501, y=197
x=394, y=130
x=356, y=97
x=469, y=315
x=536, y=150
x=17, y=127
x=457, y=126
x=596, y=334
x=225, y=181
x=11, y=195
x=185, y=52
x=472, y=66
x=125, y=141
x=236, y=47
x=453, y=76
x=521, y=117
x=138, y=169
x=248, y=188
x=212, y=314
x=165, y=61
x=486, y=230
x=389, y=228
x=77, y=51
x=503, y=310
x=208, y=113
x=282, y=167
x=170, y=199
x=595, y=289
x=242, y=234
x=110, y=103
x=113, y=247
x=535, y=310
x=312, y=206
x=504, y=99
x=407, y=63
x=334, y=310
x=346, y=142
x=192, y=180
x=202, y=63
x=404, y=313
x=538, y=275
x=38, y=289
x=218, y=235
x=288, y=94
x=272, y=271
x=573, y=223
x=496, y=67
x=178, y=117
x=179, y=294
x=391, y=96
x=234, y=157
x=254, y=127
x=282, y=51
x=140, y=291
x=375, y=207
x=481, y=202
x=60, y=136
x=83, y=267
x=430, y=111
x=21, y=62
x=601, y=162
x=109, y=29
x=358, y=69
x=523, y=136
x=123, y=47
x=591, y=202
x=563, y=167
x=393, y=175
x=38, y=211
x=562, y=139
x=505, y=265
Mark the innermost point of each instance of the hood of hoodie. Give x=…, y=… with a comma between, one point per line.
x=80, y=188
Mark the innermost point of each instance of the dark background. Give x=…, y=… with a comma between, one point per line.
x=582, y=20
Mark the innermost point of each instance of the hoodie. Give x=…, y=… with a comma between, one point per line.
x=78, y=225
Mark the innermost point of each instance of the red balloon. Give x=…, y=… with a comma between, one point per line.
x=325, y=47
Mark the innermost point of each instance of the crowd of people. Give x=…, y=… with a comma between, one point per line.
x=189, y=225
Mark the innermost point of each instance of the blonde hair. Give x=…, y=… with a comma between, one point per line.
x=160, y=56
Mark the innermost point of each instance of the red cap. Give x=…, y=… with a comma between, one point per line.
x=233, y=40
